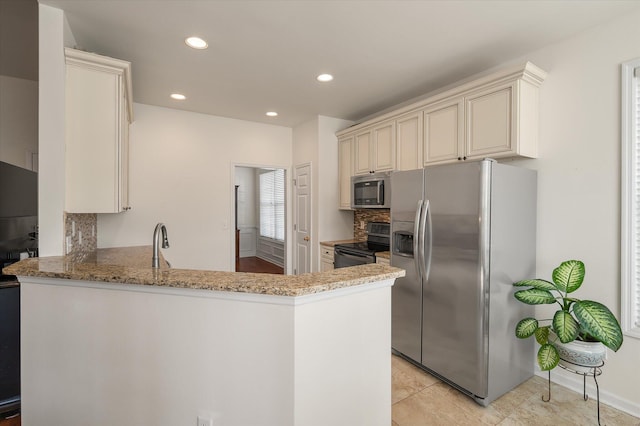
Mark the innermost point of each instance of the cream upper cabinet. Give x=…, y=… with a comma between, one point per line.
x=98, y=112
x=362, y=147
x=345, y=170
x=495, y=116
x=444, y=132
x=409, y=141
x=384, y=147
x=375, y=149
x=502, y=121
x=490, y=124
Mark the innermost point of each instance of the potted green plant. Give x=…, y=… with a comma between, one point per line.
x=576, y=323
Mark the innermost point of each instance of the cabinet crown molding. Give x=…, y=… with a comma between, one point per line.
x=105, y=64
x=527, y=72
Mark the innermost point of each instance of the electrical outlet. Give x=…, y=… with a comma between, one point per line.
x=205, y=421
x=362, y=224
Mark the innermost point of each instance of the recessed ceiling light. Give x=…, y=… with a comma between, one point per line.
x=178, y=96
x=196, y=42
x=324, y=78
x=272, y=114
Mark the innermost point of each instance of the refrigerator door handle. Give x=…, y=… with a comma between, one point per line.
x=428, y=236
x=421, y=239
x=416, y=239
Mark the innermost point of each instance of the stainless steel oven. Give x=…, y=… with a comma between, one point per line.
x=352, y=256
x=363, y=252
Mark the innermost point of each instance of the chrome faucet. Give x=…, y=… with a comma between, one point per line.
x=155, y=260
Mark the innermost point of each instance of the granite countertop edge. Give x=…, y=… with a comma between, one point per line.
x=125, y=266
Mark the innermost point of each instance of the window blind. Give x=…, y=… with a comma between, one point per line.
x=630, y=198
x=272, y=204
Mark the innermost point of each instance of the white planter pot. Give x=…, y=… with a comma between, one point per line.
x=579, y=356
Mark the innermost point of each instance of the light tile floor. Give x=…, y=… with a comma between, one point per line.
x=420, y=399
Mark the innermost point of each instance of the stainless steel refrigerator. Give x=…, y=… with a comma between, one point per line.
x=464, y=233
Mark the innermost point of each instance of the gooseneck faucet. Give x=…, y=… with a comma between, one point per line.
x=160, y=228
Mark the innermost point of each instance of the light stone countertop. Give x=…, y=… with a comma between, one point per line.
x=132, y=265
x=383, y=254
x=333, y=243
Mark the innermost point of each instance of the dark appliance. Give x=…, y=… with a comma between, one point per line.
x=18, y=240
x=371, y=191
x=9, y=346
x=363, y=252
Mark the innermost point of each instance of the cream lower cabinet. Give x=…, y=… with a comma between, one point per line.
x=326, y=258
x=375, y=149
x=98, y=112
x=345, y=170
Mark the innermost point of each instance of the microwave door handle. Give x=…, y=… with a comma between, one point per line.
x=380, y=191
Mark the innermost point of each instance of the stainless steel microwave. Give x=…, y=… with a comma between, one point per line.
x=371, y=191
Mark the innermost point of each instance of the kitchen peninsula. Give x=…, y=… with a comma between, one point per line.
x=106, y=339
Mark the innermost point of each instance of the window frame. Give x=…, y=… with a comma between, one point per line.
x=273, y=205
x=630, y=190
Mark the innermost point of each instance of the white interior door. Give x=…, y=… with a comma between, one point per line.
x=302, y=219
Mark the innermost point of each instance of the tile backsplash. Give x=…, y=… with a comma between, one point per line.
x=368, y=215
x=81, y=234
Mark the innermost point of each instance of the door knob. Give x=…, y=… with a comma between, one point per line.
x=306, y=238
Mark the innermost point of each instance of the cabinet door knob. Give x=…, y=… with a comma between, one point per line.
x=464, y=158
x=306, y=238
x=459, y=158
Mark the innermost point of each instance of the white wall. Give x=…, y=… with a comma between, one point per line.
x=110, y=354
x=333, y=224
x=579, y=178
x=315, y=142
x=18, y=121
x=52, y=38
x=182, y=168
x=99, y=356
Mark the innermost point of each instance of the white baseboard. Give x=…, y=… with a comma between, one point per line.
x=575, y=383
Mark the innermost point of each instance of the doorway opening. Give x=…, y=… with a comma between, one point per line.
x=260, y=232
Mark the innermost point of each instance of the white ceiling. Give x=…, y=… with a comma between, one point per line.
x=264, y=55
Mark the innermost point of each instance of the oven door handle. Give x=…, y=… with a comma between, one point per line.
x=9, y=285
x=352, y=255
